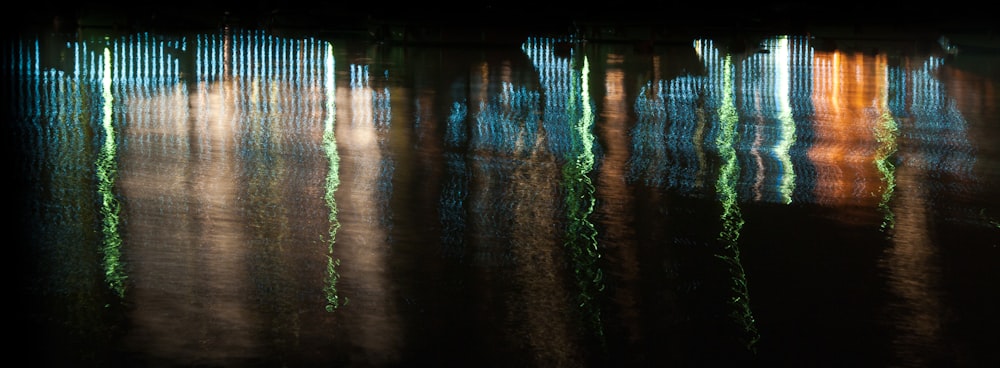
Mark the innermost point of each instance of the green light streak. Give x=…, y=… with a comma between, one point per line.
x=729, y=172
x=584, y=126
x=333, y=299
x=886, y=132
x=732, y=220
x=581, y=234
x=107, y=171
x=784, y=146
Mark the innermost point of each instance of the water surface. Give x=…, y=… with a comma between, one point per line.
x=240, y=198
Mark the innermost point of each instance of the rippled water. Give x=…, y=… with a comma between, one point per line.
x=246, y=199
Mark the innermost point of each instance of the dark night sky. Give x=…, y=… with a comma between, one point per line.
x=959, y=13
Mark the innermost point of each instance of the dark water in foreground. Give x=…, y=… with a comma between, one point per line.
x=243, y=199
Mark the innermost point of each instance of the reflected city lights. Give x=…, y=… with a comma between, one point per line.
x=786, y=183
x=938, y=128
x=508, y=122
x=617, y=212
x=731, y=218
x=580, y=201
x=886, y=132
x=366, y=238
x=568, y=121
x=235, y=188
x=650, y=159
x=107, y=172
x=333, y=299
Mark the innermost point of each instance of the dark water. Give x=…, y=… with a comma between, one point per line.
x=240, y=198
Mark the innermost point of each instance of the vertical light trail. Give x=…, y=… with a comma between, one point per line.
x=568, y=123
x=333, y=299
x=582, y=236
x=376, y=330
x=618, y=206
x=914, y=261
x=886, y=133
x=107, y=172
x=786, y=184
x=732, y=220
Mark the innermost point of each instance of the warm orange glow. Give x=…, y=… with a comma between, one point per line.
x=618, y=209
x=846, y=96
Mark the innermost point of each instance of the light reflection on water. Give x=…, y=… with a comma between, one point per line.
x=242, y=198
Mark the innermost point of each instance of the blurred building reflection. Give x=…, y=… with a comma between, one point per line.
x=212, y=165
x=809, y=125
